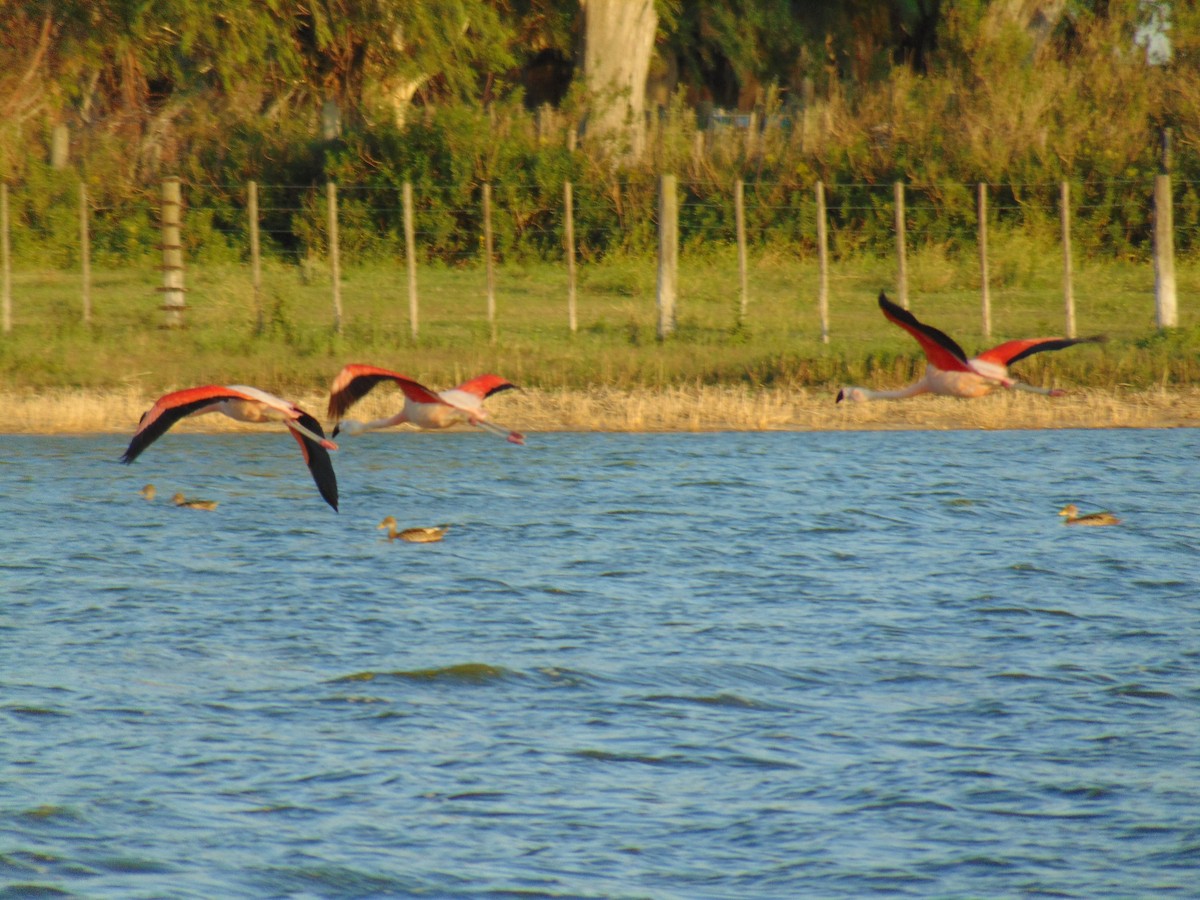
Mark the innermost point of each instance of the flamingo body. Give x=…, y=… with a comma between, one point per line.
x=244, y=404
x=422, y=407
x=949, y=372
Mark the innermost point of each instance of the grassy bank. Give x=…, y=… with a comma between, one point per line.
x=615, y=348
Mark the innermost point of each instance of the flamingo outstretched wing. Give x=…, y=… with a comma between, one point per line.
x=355, y=381
x=169, y=409
x=941, y=350
x=316, y=457
x=1011, y=351
x=483, y=386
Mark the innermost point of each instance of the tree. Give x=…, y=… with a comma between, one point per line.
x=618, y=40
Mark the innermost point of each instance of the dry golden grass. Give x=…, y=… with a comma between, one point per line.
x=674, y=409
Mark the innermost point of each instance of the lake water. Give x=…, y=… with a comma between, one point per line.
x=663, y=666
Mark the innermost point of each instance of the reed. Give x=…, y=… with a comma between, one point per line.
x=672, y=409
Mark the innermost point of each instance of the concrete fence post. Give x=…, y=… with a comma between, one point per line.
x=172, y=288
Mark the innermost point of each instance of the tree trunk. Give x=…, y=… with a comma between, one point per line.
x=618, y=41
x=1037, y=18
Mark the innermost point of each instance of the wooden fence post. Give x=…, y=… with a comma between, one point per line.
x=668, y=254
x=569, y=242
x=85, y=254
x=983, y=261
x=410, y=259
x=1064, y=203
x=60, y=146
x=335, y=262
x=739, y=218
x=5, y=262
x=1164, y=254
x=822, y=263
x=255, y=258
x=901, y=246
x=172, y=254
x=489, y=259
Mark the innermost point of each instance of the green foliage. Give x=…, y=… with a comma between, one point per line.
x=229, y=93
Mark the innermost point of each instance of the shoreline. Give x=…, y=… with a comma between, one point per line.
x=685, y=409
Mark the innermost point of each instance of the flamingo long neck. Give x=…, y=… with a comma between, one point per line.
x=350, y=426
x=912, y=390
x=1034, y=389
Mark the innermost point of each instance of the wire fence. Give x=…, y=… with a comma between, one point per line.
x=343, y=227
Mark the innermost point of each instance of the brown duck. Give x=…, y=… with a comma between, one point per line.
x=427, y=535
x=180, y=500
x=1071, y=516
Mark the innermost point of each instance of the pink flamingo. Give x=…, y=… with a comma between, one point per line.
x=422, y=407
x=245, y=404
x=950, y=373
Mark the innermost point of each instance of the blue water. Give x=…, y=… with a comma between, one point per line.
x=665, y=666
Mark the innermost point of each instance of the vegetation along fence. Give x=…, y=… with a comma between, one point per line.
x=332, y=226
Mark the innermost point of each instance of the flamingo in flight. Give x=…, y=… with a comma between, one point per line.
x=948, y=371
x=422, y=407
x=245, y=404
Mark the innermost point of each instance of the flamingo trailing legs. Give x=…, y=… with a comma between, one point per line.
x=422, y=407
x=245, y=404
x=948, y=371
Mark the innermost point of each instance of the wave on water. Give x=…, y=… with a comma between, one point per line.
x=462, y=673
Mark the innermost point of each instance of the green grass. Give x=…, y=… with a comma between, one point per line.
x=777, y=344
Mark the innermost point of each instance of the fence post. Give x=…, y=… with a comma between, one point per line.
x=1164, y=254
x=901, y=246
x=822, y=263
x=172, y=254
x=255, y=258
x=85, y=254
x=335, y=260
x=668, y=254
x=569, y=240
x=1064, y=203
x=752, y=135
x=5, y=262
x=490, y=262
x=983, y=261
x=60, y=146
x=410, y=258
x=739, y=218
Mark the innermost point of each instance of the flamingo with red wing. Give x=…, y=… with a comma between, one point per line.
x=245, y=404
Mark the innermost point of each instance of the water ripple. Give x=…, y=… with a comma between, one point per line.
x=678, y=666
